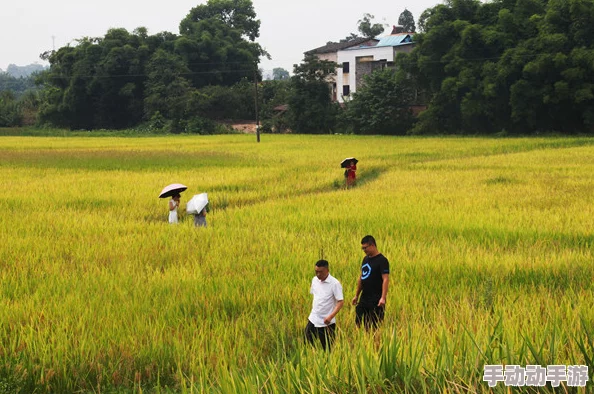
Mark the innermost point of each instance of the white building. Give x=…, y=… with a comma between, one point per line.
x=359, y=61
x=329, y=52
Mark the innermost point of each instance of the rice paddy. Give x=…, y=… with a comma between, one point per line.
x=489, y=242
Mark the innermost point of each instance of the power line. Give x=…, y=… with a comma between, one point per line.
x=246, y=72
x=249, y=71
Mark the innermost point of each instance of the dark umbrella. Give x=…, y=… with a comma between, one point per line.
x=172, y=190
x=346, y=162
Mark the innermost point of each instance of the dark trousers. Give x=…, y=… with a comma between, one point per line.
x=324, y=334
x=370, y=317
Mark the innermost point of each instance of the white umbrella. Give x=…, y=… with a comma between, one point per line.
x=197, y=203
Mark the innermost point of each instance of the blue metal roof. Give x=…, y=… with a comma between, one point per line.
x=388, y=41
x=395, y=40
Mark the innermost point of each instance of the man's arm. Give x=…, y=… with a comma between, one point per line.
x=329, y=318
x=385, y=284
x=358, y=292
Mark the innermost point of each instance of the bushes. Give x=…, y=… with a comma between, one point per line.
x=11, y=113
x=195, y=125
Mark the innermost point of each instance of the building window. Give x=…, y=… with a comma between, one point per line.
x=345, y=67
x=346, y=90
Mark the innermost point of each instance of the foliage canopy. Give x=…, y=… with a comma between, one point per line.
x=522, y=66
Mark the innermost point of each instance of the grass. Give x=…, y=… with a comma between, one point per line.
x=489, y=240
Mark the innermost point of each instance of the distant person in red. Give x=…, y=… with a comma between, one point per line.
x=351, y=175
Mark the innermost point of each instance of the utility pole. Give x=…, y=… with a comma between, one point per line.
x=256, y=102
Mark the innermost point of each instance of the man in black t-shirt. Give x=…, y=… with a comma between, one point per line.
x=372, y=285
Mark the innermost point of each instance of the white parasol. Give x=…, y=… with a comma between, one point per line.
x=197, y=203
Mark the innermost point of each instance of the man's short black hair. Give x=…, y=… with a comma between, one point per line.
x=322, y=263
x=368, y=239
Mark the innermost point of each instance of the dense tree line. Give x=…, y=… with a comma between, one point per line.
x=19, y=99
x=18, y=110
x=123, y=79
x=519, y=66
x=508, y=66
x=511, y=66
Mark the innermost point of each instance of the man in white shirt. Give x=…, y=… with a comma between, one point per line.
x=327, y=301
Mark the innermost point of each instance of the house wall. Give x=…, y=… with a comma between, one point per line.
x=362, y=61
x=363, y=68
x=403, y=49
x=332, y=78
x=327, y=56
x=333, y=57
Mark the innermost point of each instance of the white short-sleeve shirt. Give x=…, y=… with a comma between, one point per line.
x=326, y=294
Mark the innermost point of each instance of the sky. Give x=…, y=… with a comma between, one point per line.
x=288, y=28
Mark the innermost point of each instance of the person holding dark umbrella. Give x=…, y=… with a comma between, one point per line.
x=173, y=205
x=350, y=163
x=173, y=191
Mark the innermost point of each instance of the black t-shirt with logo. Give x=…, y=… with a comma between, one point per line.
x=372, y=269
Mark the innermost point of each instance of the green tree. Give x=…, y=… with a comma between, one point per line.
x=274, y=94
x=523, y=66
x=167, y=91
x=554, y=89
x=310, y=106
x=280, y=74
x=218, y=42
x=314, y=69
x=407, y=21
x=382, y=104
x=369, y=29
x=11, y=114
x=225, y=102
x=124, y=78
x=99, y=83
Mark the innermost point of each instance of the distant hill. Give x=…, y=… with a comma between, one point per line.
x=19, y=79
x=24, y=71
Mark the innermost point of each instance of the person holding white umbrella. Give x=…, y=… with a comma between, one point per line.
x=197, y=207
x=200, y=218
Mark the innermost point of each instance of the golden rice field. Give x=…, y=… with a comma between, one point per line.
x=489, y=240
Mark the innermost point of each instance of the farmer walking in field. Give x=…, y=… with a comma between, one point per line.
x=372, y=285
x=327, y=301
